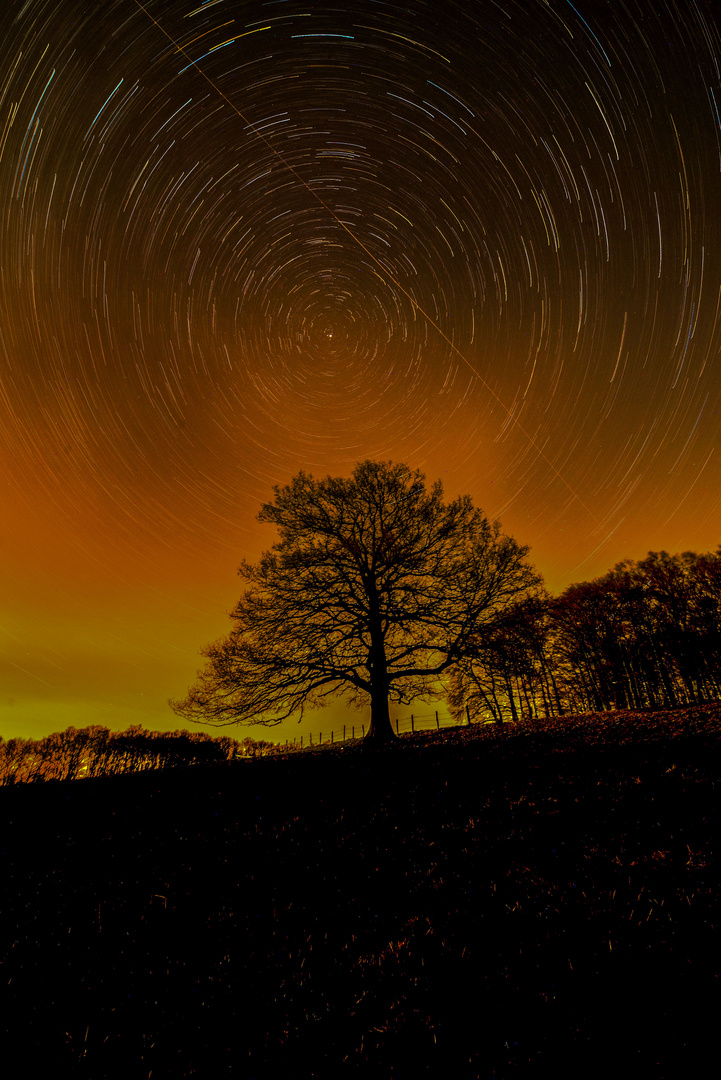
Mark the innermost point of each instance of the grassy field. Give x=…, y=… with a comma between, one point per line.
x=535, y=900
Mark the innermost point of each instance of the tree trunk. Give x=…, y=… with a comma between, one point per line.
x=511, y=701
x=381, y=730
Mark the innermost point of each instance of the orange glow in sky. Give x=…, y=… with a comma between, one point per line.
x=184, y=325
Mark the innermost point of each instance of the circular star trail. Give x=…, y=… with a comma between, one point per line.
x=539, y=185
x=243, y=238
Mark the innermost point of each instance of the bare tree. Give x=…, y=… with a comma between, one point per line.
x=505, y=671
x=374, y=589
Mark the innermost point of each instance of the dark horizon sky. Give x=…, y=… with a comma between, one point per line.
x=512, y=282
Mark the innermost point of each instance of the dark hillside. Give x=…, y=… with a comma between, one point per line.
x=472, y=904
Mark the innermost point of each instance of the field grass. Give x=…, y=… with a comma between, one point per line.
x=535, y=900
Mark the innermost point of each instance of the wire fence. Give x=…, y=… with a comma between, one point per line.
x=351, y=732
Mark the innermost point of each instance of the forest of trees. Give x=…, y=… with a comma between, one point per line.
x=96, y=751
x=646, y=635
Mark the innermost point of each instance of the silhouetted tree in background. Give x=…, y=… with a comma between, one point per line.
x=374, y=590
x=95, y=751
x=646, y=635
x=508, y=673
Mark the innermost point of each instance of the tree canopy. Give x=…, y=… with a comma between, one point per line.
x=645, y=635
x=374, y=590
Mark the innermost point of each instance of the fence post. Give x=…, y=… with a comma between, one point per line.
x=468, y=714
x=412, y=724
x=396, y=725
x=320, y=738
x=437, y=721
x=331, y=737
x=301, y=742
x=344, y=733
x=363, y=729
x=353, y=730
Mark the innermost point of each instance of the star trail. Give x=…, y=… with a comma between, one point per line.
x=241, y=239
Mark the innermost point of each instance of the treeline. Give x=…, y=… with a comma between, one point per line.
x=646, y=635
x=96, y=751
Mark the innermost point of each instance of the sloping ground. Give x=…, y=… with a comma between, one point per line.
x=593, y=728
x=470, y=904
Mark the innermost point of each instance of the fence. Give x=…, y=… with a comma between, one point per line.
x=350, y=732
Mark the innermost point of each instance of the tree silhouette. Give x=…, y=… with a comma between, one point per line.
x=645, y=635
x=96, y=751
x=375, y=589
x=507, y=671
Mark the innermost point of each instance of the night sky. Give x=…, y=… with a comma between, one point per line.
x=240, y=239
